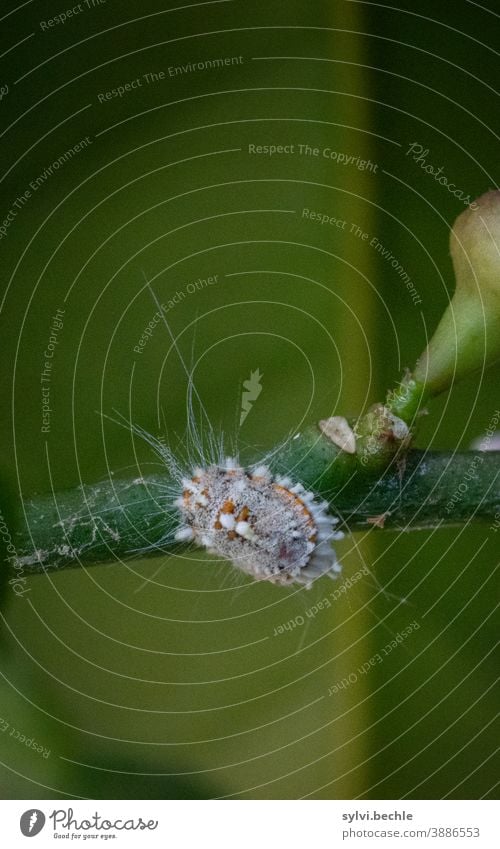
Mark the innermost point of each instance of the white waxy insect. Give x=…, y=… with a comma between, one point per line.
x=338, y=429
x=268, y=526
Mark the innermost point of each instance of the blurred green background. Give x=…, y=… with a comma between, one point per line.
x=162, y=678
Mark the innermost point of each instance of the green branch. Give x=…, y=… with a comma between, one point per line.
x=366, y=470
x=118, y=519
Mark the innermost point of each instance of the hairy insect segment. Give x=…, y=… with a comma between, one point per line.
x=267, y=526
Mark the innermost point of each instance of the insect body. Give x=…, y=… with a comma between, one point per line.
x=266, y=525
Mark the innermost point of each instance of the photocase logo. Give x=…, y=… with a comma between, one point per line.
x=32, y=822
x=252, y=388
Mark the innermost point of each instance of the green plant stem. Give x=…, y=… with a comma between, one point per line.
x=407, y=399
x=117, y=519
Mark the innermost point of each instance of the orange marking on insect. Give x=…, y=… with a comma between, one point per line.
x=228, y=507
x=296, y=500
